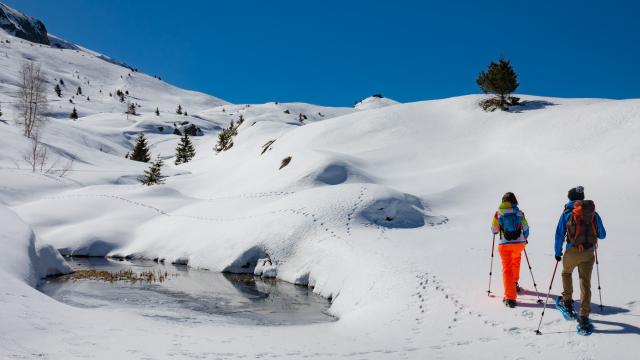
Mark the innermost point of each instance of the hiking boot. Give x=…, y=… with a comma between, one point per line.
x=584, y=322
x=568, y=305
x=518, y=288
x=509, y=303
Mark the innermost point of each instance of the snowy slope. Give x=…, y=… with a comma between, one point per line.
x=374, y=102
x=386, y=211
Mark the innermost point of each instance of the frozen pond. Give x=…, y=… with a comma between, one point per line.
x=190, y=295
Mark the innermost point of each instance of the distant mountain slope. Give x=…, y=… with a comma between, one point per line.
x=22, y=26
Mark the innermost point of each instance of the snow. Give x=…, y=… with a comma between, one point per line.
x=24, y=258
x=374, y=102
x=385, y=211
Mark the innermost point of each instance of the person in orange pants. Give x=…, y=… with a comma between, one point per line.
x=509, y=221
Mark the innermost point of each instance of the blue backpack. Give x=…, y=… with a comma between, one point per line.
x=511, y=226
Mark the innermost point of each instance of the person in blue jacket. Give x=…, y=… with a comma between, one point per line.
x=582, y=256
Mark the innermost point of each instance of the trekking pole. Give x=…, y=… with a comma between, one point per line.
x=598, y=273
x=547, y=299
x=493, y=244
x=535, y=286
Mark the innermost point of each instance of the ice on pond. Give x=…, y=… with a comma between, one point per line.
x=190, y=295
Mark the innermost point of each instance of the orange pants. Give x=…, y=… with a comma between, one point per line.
x=510, y=255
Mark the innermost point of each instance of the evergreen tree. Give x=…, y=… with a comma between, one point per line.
x=225, y=138
x=501, y=80
x=140, y=150
x=131, y=109
x=74, y=114
x=79, y=91
x=157, y=112
x=153, y=175
x=0, y=110
x=61, y=82
x=179, y=110
x=58, y=90
x=185, y=150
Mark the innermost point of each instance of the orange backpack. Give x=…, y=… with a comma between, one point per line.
x=581, y=226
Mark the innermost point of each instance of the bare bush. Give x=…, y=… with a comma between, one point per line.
x=32, y=100
x=36, y=156
x=38, y=159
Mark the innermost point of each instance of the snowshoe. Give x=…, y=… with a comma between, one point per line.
x=584, y=327
x=567, y=312
x=509, y=303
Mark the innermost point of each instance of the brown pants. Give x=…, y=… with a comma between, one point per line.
x=584, y=261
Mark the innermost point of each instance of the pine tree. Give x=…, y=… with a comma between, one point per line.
x=74, y=114
x=131, y=109
x=225, y=138
x=501, y=80
x=179, y=110
x=140, y=150
x=153, y=175
x=157, y=112
x=79, y=91
x=58, y=90
x=185, y=150
x=0, y=110
x=61, y=82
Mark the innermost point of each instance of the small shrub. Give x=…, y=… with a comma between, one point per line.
x=285, y=162
x=267, y=146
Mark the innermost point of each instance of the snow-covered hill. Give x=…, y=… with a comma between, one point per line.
x=374, y=102
x=385, y=211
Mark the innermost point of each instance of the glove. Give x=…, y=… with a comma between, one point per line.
x=558, y=258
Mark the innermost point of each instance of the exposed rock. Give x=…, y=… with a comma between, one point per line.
x=22, y=26
x=192, y=130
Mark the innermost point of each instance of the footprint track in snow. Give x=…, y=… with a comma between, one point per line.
x=354, y=209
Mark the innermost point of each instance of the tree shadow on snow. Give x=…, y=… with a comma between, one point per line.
x=528, y=105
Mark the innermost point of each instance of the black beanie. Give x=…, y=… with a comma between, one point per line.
x=577, y=193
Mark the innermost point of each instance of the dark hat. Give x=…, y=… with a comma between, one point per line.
x=510, y=198
x=577, y=193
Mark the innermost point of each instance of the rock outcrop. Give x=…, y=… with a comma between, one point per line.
x=22, y=26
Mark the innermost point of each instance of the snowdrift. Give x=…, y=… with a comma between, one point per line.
x=23, y=257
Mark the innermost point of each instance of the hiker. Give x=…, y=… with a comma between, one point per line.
x=512, y=226
x=581, y=226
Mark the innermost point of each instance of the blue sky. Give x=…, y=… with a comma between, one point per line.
x=335, y=52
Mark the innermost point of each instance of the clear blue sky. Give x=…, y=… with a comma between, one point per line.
x=335, y=52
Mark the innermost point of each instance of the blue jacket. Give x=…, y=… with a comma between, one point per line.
x=561, y=230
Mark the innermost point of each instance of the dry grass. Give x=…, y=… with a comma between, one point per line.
x=127, y=275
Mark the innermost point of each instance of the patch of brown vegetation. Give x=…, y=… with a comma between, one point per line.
x=122, y=275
